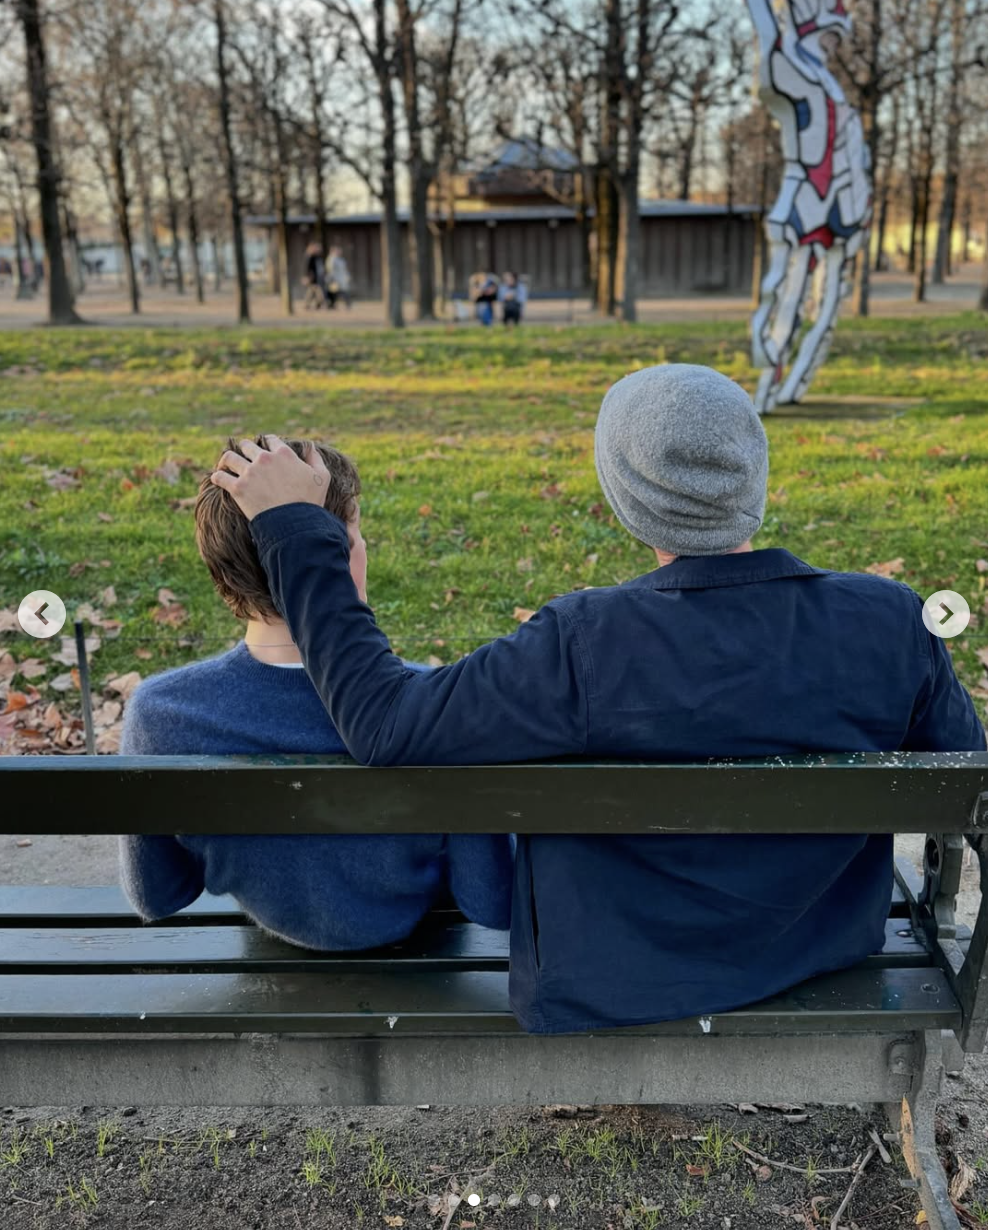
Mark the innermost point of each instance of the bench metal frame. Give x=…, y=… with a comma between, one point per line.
x=894, y=1053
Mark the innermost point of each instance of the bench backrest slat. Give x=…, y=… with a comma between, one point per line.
x=874, y=793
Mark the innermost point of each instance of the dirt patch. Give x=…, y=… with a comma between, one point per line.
x=621, y=1169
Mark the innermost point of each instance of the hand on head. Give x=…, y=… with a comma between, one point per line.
x=267, y=478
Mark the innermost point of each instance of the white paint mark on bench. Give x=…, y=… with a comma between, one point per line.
x=705, y=1024
x=392, y=1022
x=143, y=1015
x=295, y=785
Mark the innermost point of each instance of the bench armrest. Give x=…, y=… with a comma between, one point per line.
x=933, y=911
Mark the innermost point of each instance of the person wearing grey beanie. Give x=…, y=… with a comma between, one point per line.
x=682, y=458
x=724, y=650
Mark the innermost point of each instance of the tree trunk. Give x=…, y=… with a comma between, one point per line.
x=945, y=229
x=955, y=118
x=321, y=235
x=883, y=215
x=230, y=160
x=22, y=283
x=60, y=309
x=284, y=271
x=217, y=269
x=983, y=297
x=419, y=172
x=862, y=282
x=151, y=253
x=192, y=219
x=121, y=203
x=74, y=262
x=630, y=243
x=922, y=226
x=391, y=273
x=914, y=211
x=172, y=206
x=607, y=190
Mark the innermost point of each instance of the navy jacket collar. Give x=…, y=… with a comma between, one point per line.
x=714, y=571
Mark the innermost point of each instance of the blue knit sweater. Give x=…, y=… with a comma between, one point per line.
x=333, y=892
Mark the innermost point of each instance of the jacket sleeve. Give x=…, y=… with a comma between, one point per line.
x=158, y=875
x=523, y=697
x=944, y=719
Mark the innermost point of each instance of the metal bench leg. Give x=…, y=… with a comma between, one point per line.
x=914, y=1120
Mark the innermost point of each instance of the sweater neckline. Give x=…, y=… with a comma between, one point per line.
x=267, y=674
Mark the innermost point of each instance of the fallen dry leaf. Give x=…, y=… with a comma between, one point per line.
x=8, y=666
x=746, y=1108
x=522, y=614
x=68, y=655
x=697, y=1171
x=108, y=596
x=982, y=656
x=107, y=713
x=62, y=480
x=24, y=843
x=425, y=510
x=32, y=668
x=888, y=569
x=143, y=654
x=432, y=660
x=101, y=516
x=16, y=701
x=9, y=621
x=63, y=683
x=964, y=1176
x=981, y=565
x=763, y=1174
x=108, y=741
x=169, y=471
x=124, y=685
x=172, y=614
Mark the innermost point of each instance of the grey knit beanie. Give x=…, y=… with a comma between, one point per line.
x=683, y=459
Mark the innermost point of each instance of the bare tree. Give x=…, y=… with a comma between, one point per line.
x=230, y=161
x=60, y=305
x=373, y=156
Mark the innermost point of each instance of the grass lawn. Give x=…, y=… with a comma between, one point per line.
x=476, y=451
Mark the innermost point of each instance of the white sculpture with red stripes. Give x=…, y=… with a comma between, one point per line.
x=820, y=219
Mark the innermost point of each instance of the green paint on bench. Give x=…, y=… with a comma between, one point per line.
x=887, y=793
x=403, y=1001
x=437, y=945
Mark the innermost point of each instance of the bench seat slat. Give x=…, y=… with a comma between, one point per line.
x=438, y=945
x=103, y=906
x=403, y=1001
x=245, y=949
x=107, y=906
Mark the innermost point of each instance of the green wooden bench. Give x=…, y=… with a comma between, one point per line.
x=207, y=1010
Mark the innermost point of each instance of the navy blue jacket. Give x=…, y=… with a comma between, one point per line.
x=741, y=655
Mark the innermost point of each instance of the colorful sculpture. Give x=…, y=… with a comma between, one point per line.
x=820, y=219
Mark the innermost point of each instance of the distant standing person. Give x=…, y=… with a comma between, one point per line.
x=513, y=295
x=339, y=276
x=484, y=291
x=316, y=293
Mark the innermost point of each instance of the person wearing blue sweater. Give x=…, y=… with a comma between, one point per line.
x=324, y=892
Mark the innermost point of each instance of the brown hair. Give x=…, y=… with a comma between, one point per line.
x=224, y=539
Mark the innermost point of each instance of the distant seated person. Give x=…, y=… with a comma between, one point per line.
x=513, y=294
x=324, y=892
x=483, y=292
